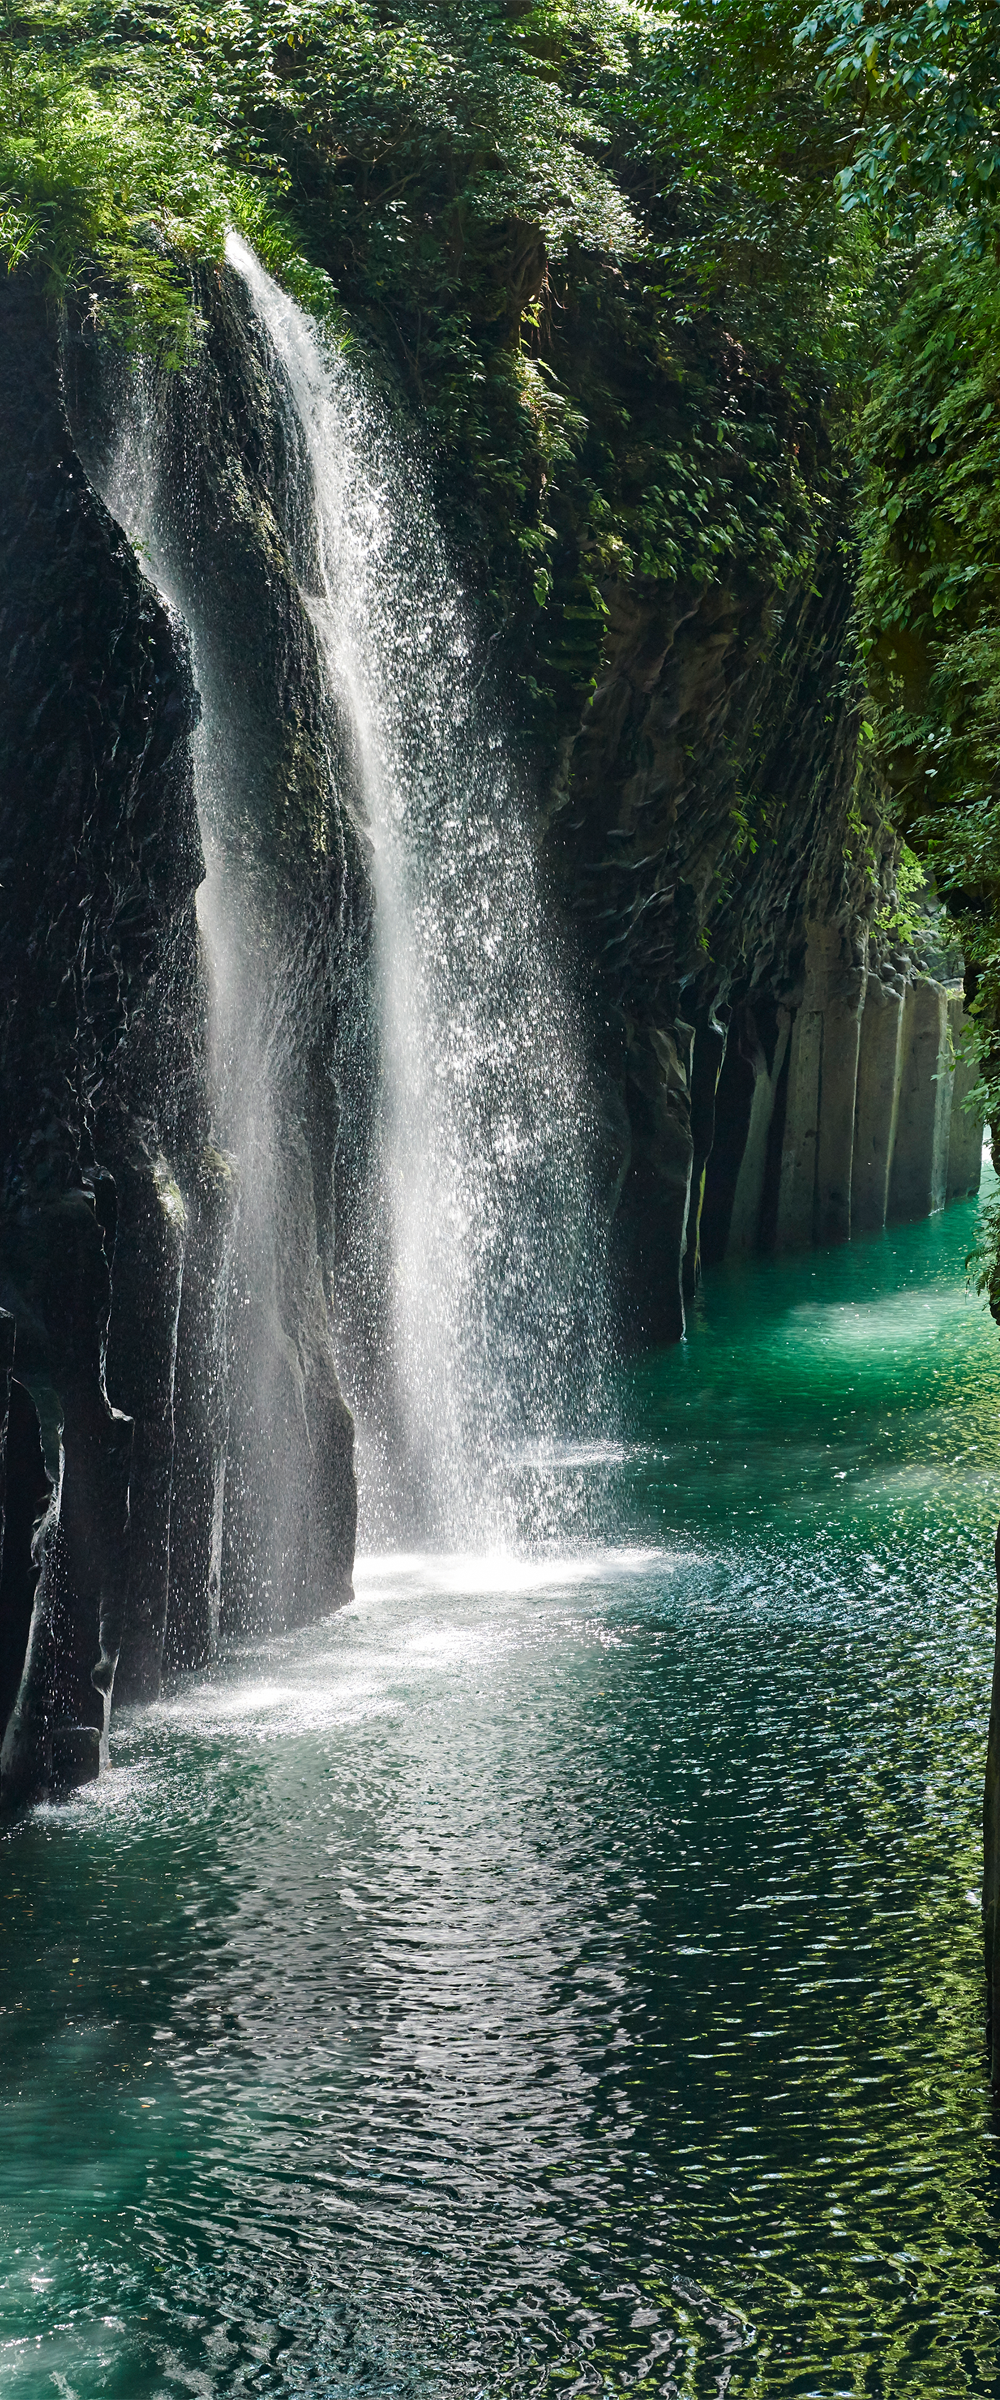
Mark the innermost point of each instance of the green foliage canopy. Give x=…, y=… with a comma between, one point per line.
x=595, y=242
x=924, y=81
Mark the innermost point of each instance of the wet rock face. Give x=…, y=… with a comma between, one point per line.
x=126, y=1413
x=765, y=1087
x=99, y=841
x=699, y=823
x=101, y=857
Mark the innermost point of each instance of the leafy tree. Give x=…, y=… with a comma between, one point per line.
x=924, y=82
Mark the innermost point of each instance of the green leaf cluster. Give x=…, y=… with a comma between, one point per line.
x=924, y=84
x=98, y=181
x=129, y=136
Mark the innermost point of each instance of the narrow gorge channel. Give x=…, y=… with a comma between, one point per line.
x=566, y=1970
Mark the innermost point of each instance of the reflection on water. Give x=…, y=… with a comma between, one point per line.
x=556, y=1976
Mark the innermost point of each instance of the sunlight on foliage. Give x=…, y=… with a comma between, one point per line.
x=901, y=916
x=925, y=81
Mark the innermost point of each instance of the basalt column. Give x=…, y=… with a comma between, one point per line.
x=919, y=1175
x=706, y=1067
x=879, y=1067
x=747, y=1223
x=814, y=1200
x=652, y=1230
x=965, y=1139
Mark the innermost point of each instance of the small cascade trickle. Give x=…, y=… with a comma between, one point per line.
x=481, y=1256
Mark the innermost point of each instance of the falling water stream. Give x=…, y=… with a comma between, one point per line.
x=495, y=1323
x=557, y=1974
x=483, y=1267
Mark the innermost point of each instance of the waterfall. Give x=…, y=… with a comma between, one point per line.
x=466, y=1286
x=487, y=1287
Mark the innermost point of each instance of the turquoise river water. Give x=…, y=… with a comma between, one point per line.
x=561, y=1977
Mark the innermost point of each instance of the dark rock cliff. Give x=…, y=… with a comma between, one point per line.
x=772, y=1076
x=101, y=858
x=167, y=1367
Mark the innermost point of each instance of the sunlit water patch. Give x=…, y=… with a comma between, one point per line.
x=556, y=1974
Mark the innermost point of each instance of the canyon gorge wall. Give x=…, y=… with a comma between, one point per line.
x=188, y=1041
x=778, y=1068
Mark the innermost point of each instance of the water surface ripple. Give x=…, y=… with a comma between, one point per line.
x=556, y=1976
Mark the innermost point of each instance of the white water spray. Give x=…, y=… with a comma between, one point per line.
x=485, y=1126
